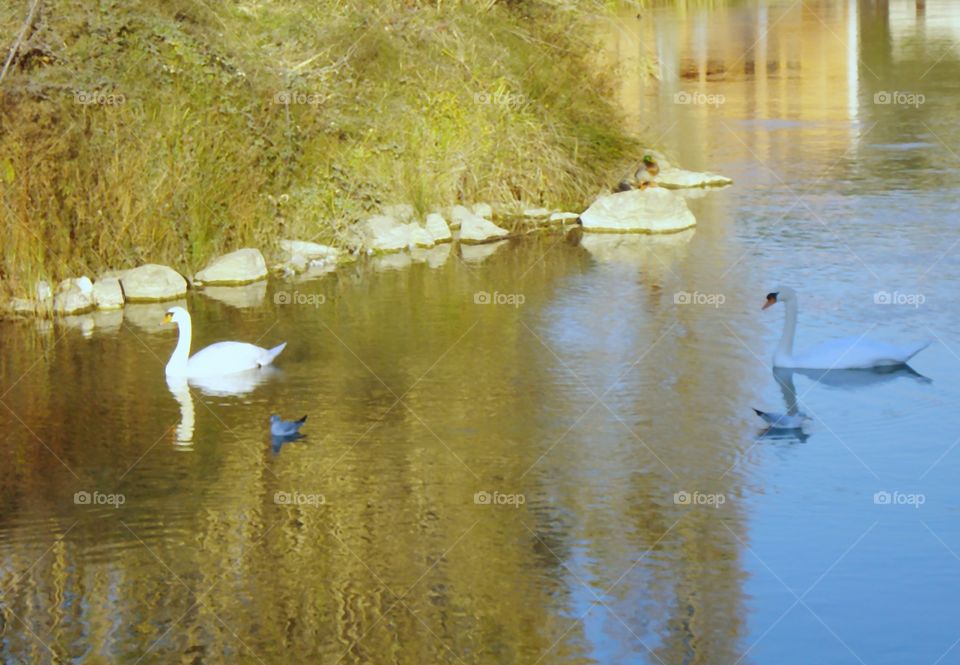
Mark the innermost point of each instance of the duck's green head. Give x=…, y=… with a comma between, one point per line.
x=649, y=160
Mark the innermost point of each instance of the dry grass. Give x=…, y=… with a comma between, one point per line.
x=171, y=131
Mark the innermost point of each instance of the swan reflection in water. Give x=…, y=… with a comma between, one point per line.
x=181, y=392
x=839, y=379
x=849, y=379
x=229, y=385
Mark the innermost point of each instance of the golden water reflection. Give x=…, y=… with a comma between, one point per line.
x=375, y=538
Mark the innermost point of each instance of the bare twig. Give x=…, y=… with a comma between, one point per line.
x=16, y=44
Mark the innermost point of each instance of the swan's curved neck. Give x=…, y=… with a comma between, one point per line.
x=785, y=349
x=177, y=365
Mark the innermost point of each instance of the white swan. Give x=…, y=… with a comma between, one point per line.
x=217, y=359
x=846, y=353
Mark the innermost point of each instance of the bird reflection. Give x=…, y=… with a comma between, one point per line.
x=181, y=392
x=784, y=378
x=234, y=385
x=278, y=442
x=840, y=379
x=851, y=379
x=238, y=384
x=783, y=434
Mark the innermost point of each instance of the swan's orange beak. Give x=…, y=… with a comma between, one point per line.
x=168, y=317
x=771, y=301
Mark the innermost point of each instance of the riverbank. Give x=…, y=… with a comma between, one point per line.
x=652, y=201
x=169, y=134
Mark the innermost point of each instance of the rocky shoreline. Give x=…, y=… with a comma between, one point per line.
x=650, y=203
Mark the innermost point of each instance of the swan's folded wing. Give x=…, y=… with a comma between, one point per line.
x=856, y=353
x=225, y=358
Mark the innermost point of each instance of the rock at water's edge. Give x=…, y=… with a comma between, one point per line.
x=437, y=227
x=674, y=178
x=74, y=296
x=309, y=250
x=475, y=230
x=300, y=256
x=243, y=266
x=152, y=283
x=382, y=233
x=652, y=210
x=456, y=215
x=536, y=213
x=107, y=293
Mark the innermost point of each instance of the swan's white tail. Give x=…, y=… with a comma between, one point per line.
x=273, y=353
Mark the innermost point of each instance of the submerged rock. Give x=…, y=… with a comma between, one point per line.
x=74, y=296
x=152, y=283
x=652, y=210
x=475, y=230
x=107, y=293
x=240, y=267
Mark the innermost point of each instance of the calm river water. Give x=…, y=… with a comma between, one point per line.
x=574, y=478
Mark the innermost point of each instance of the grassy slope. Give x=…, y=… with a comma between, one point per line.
x=220, y=125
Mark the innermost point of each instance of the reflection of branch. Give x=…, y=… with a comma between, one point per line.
x=16, y=44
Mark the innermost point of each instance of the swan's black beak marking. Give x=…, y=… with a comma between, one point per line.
x=771, y=300
x=168, y=317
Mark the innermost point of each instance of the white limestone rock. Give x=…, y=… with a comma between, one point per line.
x=651, y=210
x=475, y=230
x=243, y=266
x=74, y=296
x=108, y=294
x=152, y=283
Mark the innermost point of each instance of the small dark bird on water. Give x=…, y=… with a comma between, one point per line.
x=285, y=428
x=783, y=420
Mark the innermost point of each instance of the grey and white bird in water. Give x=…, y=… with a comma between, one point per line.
x=783, y=420
x=285, y=428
